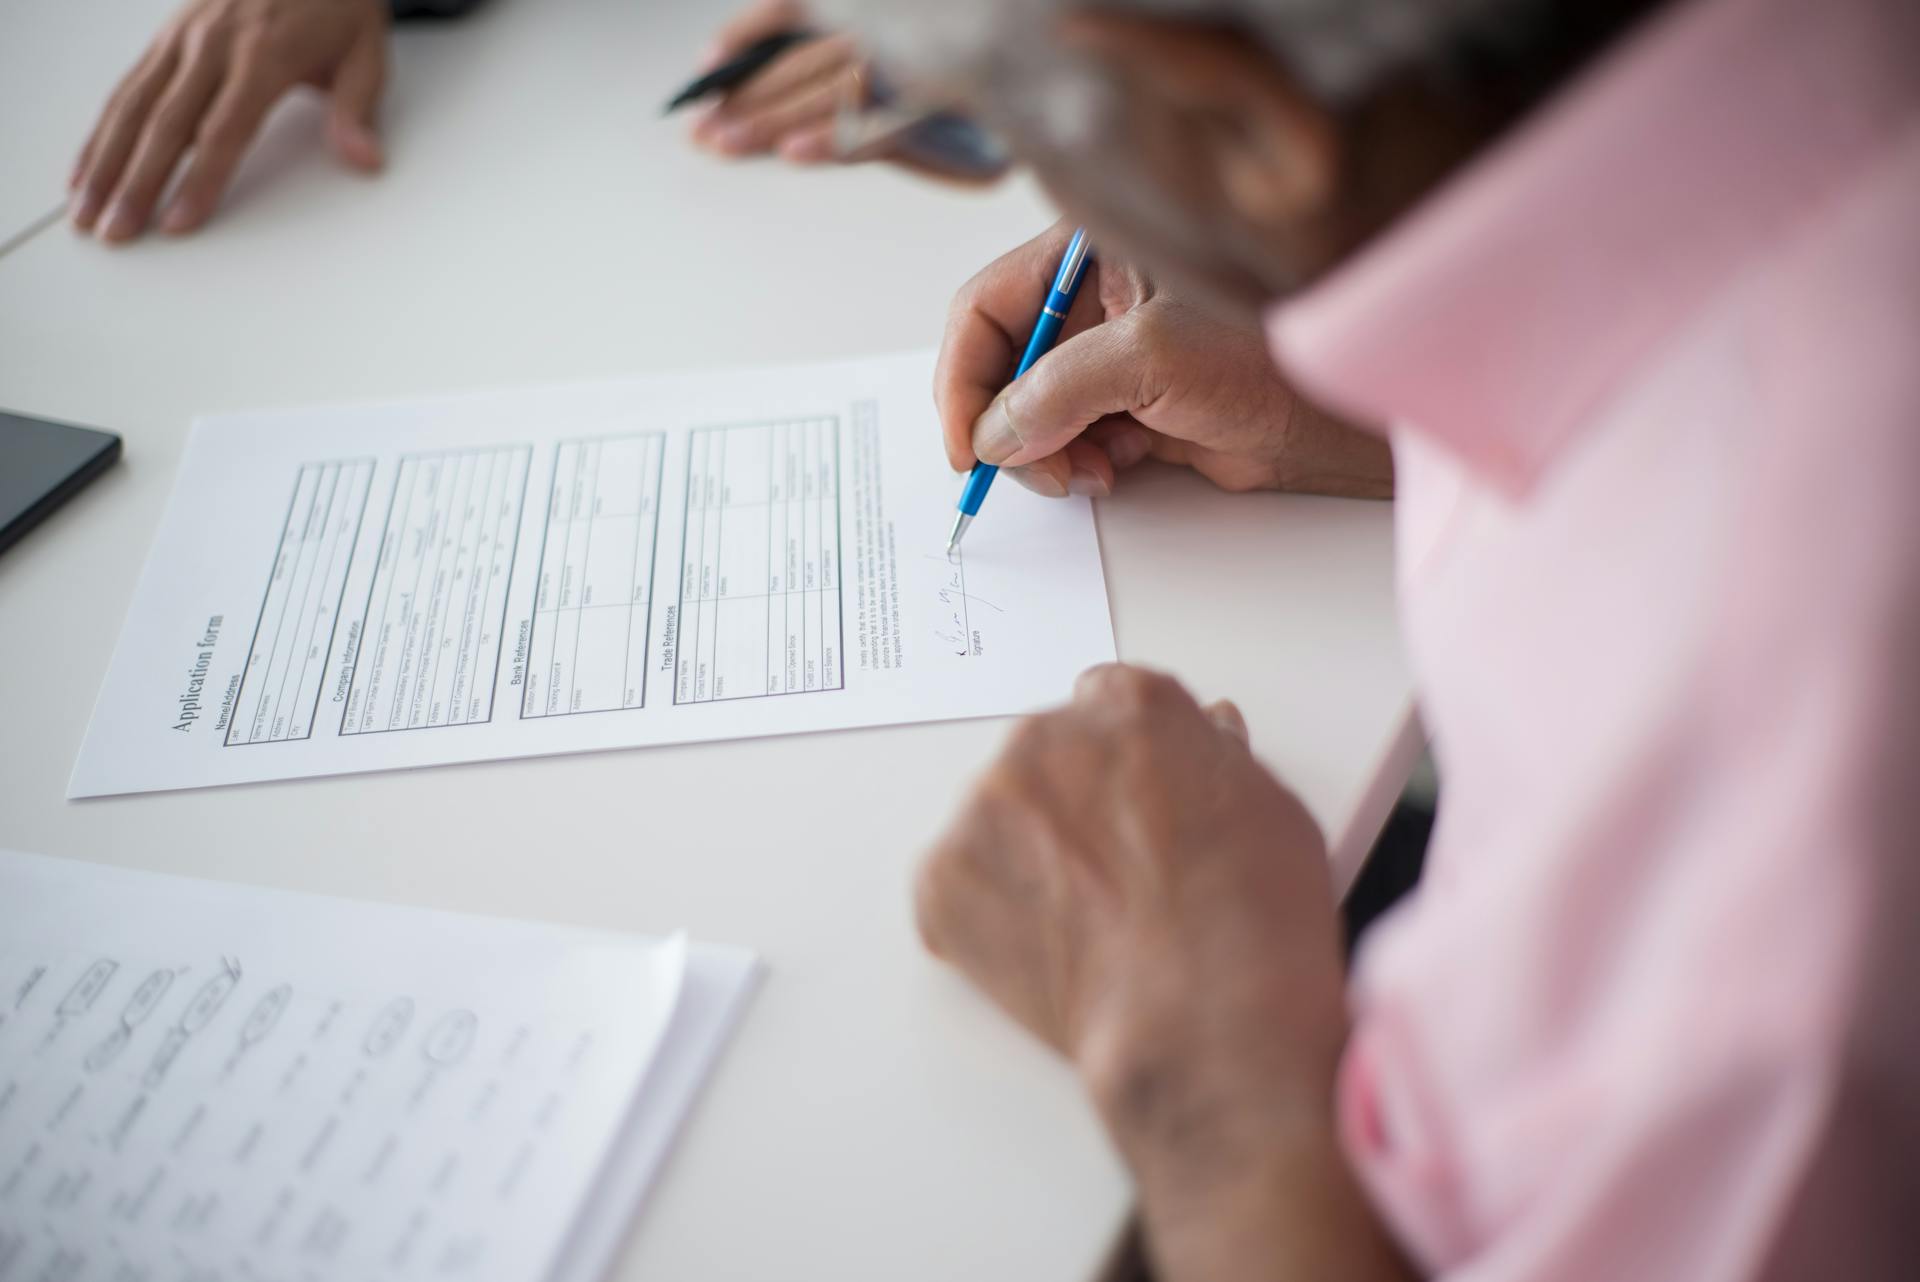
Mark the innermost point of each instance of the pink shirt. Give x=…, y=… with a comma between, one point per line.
x=1654, y=371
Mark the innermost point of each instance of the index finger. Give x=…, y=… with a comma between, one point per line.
x=113, y=139
x=988, y=326
x=144, y=80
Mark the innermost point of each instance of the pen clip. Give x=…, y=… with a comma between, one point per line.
x=1073, y=263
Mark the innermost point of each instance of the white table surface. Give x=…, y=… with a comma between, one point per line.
x=874, y=1119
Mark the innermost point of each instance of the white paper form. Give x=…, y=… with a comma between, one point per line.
x=204, y=1080
x=666, y=559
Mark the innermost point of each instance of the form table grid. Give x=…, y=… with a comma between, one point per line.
x=429, y=650
x=280, y=683
x=760, y=591
x=593, y=607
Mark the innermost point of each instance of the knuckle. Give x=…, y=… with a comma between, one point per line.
x=1160, y=693
x=1025, y=392
x=1146, y=339
x=1116, y=684
x=1146, y=328
x=202, y=36
x=1132, y=691
x=967, y=297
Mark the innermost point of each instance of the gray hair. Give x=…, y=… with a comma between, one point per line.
x=1336, y=49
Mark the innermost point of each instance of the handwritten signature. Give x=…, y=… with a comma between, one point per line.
x=956, y=629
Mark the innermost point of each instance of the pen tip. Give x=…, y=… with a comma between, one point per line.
x=960, y=524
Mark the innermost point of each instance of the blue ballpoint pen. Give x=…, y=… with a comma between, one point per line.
x=1066, y=283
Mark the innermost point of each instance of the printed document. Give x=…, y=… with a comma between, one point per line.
x=675, y=558
x=204, y=1080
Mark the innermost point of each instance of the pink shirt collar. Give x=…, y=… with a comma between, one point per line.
x=1502, y=314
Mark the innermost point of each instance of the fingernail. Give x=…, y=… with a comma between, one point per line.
x=118, y=223
x=178, y=218
x=1041, y=483
x=83, y=207
x=1128, y=446
x=993, y=436
x=368, y=143
x=1088, y=484
x=736, y=138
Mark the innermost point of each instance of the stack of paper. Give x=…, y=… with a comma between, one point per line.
x=207, y=1080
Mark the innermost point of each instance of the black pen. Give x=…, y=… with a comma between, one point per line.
x=740, y=68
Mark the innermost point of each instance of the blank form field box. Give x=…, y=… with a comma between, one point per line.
x=436, y=609
x=593, y=606
x=279, y=693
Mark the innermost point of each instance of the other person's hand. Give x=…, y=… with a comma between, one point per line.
x=200, y=93
x=789, y=107
x=1137, y=373
x=1130, y=884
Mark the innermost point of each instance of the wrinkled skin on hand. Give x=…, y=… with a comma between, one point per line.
x=1138, y=373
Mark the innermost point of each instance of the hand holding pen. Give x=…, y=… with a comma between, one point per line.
x=779, y=86
x=810, y=98
x=1140, y=371
x=1072, y=270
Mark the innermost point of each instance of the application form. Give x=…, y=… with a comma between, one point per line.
x=205, y=1080
x=658, y=560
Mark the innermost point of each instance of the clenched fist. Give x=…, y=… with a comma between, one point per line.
x=1130, y=884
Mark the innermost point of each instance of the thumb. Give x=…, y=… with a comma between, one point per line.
x=357, y=86
x=1093, y=374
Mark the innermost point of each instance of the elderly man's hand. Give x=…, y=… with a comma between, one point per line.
x=1137, y=374
x=1129, y=883
x=200, y=93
